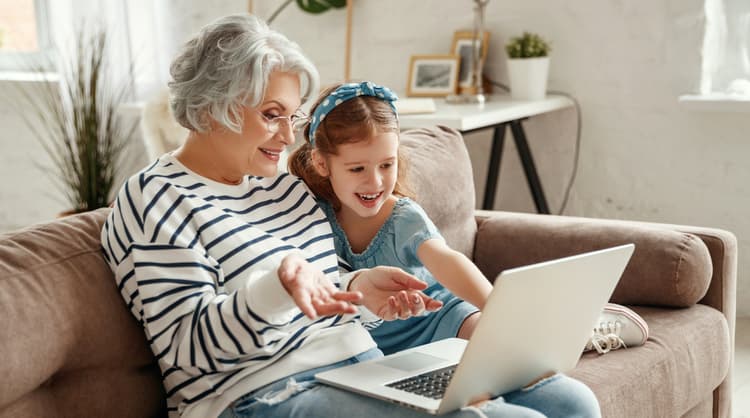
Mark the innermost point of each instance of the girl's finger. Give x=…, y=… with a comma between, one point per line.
x=392, y=309
x=431, y=304
x=416, y=304
x=407, y=280
x=404, y=308
x=352, y=297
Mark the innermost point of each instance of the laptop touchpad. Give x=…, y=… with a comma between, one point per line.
x=411, y=361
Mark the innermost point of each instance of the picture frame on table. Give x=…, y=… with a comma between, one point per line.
x=462, y=46
x=432, y=75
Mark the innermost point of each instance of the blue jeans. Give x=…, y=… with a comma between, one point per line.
x=301, y=396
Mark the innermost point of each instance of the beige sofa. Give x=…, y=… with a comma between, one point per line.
x=70, y=348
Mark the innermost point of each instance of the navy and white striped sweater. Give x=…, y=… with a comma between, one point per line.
x=196, y=260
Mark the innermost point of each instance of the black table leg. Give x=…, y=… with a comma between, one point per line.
x=493, y=172
x=528, y=167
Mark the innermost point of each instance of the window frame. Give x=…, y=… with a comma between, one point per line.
x=39, y=59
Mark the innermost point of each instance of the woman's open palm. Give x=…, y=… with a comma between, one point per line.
x=312, y=291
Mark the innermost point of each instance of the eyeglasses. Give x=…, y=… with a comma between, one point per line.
x=297, y=121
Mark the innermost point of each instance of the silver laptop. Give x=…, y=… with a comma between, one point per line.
x=536, y=321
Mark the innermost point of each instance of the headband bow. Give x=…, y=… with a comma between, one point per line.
x=344, y=93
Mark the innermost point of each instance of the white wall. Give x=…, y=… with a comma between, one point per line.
x=27, y=194
x=643, y=156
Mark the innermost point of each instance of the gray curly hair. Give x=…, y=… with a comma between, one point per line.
x=226, y=66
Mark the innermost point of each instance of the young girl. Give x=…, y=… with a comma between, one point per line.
x=351, y=161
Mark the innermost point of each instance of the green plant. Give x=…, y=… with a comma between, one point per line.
x=310, y=6
x=528, y=45
x=75, y=120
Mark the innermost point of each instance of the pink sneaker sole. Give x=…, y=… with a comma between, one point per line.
x=617, y=327
x=634, y=329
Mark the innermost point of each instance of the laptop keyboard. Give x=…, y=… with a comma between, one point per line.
x=431, y=384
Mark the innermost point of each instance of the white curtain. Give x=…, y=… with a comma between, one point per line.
x=144, y=33
x=69, y=17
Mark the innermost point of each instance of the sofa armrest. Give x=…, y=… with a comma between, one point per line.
x=672, y=265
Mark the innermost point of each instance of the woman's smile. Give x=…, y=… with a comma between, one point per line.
x=271, y=154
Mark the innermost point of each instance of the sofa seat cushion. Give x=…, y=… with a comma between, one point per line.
x=684, y=360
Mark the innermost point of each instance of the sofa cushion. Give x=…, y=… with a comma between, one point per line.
x=70, y=347
x=441, y=176
x=668, y=268
x=685, y=358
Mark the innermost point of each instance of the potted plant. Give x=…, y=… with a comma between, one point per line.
x=528, y=66
x=74, y=116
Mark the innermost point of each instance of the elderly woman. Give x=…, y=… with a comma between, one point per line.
x=231, y=268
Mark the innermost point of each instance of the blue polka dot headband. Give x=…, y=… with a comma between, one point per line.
x=344, y=93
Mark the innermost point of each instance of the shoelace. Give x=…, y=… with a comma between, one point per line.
x=606, y=337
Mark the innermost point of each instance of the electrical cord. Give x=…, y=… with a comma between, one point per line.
x=577, y=150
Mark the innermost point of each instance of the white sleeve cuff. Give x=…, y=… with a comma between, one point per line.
x=367, y=317
x=267, y=297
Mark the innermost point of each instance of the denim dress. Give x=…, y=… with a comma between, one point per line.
x=395, y=244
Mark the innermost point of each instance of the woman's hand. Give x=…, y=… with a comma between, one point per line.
x=390, y=293
x=312, y=291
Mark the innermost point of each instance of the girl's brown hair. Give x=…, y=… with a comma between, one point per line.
x=352, y=121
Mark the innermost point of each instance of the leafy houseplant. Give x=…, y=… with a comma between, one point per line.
x=75, y=120
x=528, y=45
x=528, y=66
x=310, y=6
x=318, y=7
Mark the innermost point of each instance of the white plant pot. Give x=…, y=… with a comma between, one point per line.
x=528, y=77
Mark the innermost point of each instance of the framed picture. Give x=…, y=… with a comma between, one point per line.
x=432, y=75
x=462, y=46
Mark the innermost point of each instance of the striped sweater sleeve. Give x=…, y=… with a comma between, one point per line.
x=174, y=292
x=188, y=323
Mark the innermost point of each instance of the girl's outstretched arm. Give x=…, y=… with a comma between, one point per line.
x=455, y=272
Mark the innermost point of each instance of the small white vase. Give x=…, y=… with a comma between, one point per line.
x=528, y=77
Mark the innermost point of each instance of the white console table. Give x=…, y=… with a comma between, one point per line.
x=499, y=112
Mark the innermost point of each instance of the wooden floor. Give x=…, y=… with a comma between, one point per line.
x=741, y=379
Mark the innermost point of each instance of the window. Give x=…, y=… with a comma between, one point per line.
x=24, y=37
x=726, y=48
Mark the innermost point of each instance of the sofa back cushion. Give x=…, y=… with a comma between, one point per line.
x=440, y=173
x=70, y=347
x=668, y=268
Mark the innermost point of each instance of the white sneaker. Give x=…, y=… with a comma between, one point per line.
x=618, y=327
